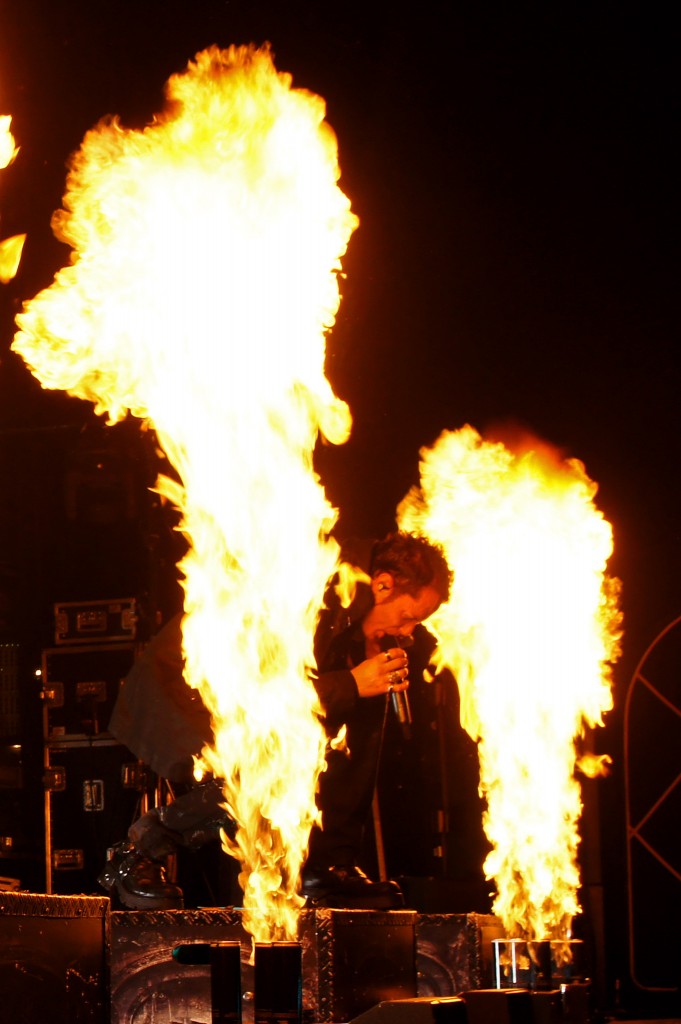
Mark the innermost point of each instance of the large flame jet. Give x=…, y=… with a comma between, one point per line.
x=531, y=632
x=204, y=275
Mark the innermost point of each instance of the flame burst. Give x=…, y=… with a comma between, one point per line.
x=10, y=248
x=8, y=150
x=530, y=633
x=205, y=273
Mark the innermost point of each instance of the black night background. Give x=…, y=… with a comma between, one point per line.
x=514, y=169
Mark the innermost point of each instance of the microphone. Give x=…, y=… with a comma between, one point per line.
x=400, y=700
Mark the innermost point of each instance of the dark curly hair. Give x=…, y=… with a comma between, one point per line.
x=414, y=562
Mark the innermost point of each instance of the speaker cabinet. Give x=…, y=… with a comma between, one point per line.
x=53, y=958
x=92, y=796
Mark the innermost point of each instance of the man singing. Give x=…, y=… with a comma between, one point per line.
x=360, y=662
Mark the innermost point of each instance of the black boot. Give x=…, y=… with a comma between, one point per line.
x=348, y=888
x=137, y=882
x=191, y=820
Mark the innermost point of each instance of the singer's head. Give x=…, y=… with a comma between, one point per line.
x=410, y=579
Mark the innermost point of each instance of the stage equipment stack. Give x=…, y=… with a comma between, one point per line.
x=11, y=767
x=94, y=786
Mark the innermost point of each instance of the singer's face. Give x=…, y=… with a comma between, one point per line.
x=395, y=612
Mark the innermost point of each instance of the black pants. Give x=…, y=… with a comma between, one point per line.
x=346, y=789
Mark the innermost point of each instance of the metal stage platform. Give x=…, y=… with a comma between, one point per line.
x=71, y=959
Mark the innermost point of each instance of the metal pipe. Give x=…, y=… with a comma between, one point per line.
x=278, y=983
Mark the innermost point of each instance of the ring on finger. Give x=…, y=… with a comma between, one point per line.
x=387, y=656
x=394, y=677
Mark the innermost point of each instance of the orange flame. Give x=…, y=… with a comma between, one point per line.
x=8, y=150
x=205, y=274
x=10, y=256
x=531, y=632
x=10, y=248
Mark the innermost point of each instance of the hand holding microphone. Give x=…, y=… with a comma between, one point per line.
x=399, y=699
